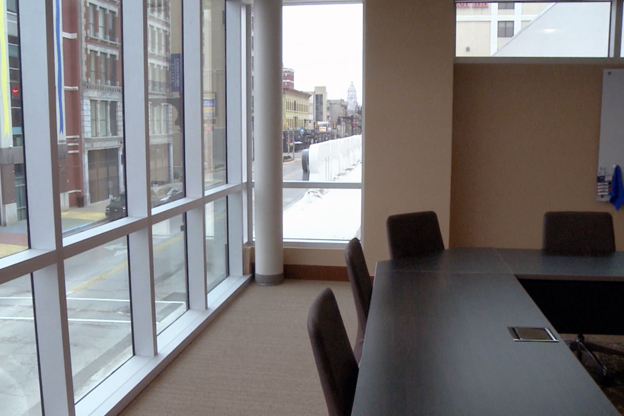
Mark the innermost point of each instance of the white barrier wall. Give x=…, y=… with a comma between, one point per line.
x=328, y=159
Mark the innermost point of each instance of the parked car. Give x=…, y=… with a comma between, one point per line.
x=172, y=195
x=117, y=207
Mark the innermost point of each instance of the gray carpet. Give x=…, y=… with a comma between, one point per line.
x=255, y=359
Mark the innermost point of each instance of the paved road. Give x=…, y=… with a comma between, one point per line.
x=292, y=172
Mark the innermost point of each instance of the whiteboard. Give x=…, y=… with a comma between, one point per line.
x=611, y=151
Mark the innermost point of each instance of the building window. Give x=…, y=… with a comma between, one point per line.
x=92, y=16
x=92, y=67
x=111, y=26
x=506, y=6
x=103, y=68
x=113, y=69
x=103, y=118
x=93, y=108
x=12, y=6
x=505, y=29
x=101, y=23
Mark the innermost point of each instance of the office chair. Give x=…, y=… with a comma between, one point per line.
x=362, y=289
x=334, y=357
x=578, y=233
x=413, y=234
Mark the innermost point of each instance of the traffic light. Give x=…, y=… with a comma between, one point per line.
x=353, y=122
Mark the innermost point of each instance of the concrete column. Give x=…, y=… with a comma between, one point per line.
x=268, y=141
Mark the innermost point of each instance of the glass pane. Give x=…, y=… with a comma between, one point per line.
x=90, y=117
x=324, y=214
x=533, y=29
x=169, y=271
x=166, y=115
x=19, y=370
x=213, y=72
x=320, y=104
x=98, y=308
x=13, y=212
x=216, y=243
x=321, y=117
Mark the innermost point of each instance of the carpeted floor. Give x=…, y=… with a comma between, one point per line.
x=255, y=359
x=613, y=387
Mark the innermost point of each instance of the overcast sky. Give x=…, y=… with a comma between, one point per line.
x=323, y=44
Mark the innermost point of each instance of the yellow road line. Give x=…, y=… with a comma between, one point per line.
x=119, y=267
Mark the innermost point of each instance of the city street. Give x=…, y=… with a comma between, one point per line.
x=98, y=299
x=293, y=171
x=99, y=316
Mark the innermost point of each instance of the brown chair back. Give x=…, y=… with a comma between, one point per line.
x=362, y=288
x=578, y=233
x=413, y=234
x=334, y=358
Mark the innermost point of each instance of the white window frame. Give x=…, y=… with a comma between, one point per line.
x=49, y=247
x=615, y=38
x=322, y=185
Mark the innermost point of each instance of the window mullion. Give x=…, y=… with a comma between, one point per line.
x=236, y=78
x=193, y=152
x=38, y=37
x=615, y=33
x=138, y=186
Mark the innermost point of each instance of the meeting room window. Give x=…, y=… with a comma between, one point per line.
x=535, y=29
x=96, y=287
x=322, y=125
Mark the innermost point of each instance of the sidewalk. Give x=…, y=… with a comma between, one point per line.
x=14, y=237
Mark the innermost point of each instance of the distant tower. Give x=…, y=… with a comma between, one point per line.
x=351, y=100
x=288, y=79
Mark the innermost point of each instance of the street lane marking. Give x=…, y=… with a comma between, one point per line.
x=93, y=321
x=119, y=267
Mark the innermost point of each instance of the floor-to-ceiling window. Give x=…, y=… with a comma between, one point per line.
x=117, y=240
x=322, y=93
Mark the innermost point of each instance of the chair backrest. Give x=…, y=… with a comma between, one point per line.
x=413, y=234
x=578, y=233
x=362, y=289
x=334, y=358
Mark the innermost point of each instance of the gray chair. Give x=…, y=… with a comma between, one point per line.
x=580, y=233
x=362, y=288
x=413, y=234
x=333, y=355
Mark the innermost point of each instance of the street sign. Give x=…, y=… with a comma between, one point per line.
x=301, y=130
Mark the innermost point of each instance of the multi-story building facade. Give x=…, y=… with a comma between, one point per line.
x=318, y=104
x=95, y=152
x=295, y=109
x=12, y=195
x=484, y=28
x=352, y=103
x=337, y=110
x=295, y=104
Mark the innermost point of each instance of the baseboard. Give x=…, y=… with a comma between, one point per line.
x=308, y=272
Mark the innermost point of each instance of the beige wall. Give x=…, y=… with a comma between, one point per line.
x=408, y=63
x=525, y=141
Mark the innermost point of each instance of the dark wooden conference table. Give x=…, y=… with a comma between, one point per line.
x=438, y=339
